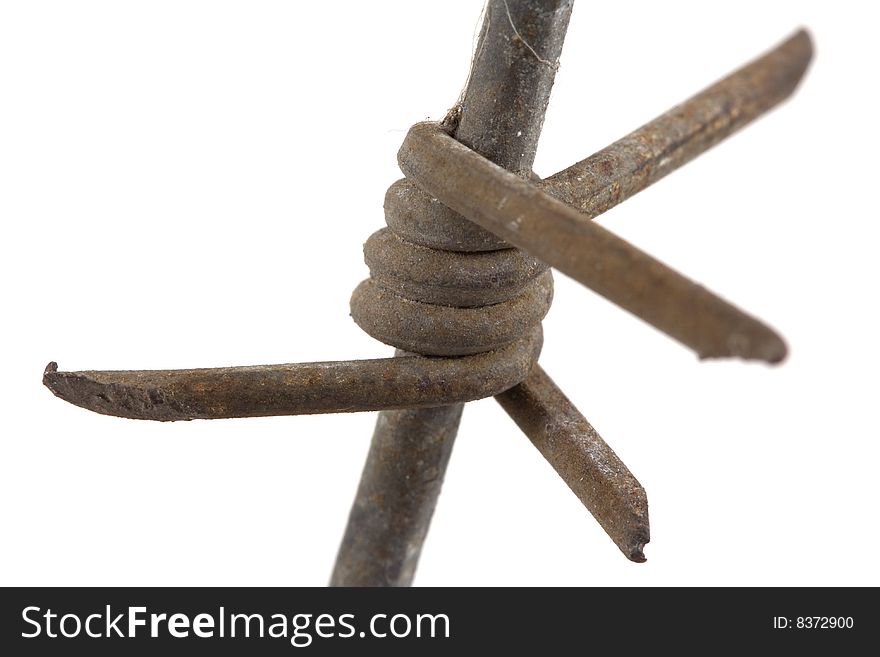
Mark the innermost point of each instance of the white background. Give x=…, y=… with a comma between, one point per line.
x=188, y=184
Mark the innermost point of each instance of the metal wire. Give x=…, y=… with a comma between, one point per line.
x=450, y=288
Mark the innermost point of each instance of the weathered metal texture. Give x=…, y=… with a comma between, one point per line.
x=557, y=234
x=419, y=218
x=500, y=116
x=658, y=148
x=297, y=389
x=443, y=277
x=444, y=296
x=446, y=282
x=504, y=102
x=507, y=93
x=396, y=497
x=554, y=232
x=584, y=461
x=438, y=330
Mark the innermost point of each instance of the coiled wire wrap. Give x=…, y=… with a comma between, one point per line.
x=440, y=285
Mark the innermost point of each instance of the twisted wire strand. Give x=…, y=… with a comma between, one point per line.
x=440, y=285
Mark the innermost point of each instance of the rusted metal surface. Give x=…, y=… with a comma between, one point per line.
x=500, y=116
x=297, y=389
x=504, y=102
x=438, y=330
x=658, y=148
x=419, y=218
x=464, y=307
x=556, y=233
x=515, y=63
x=584, y=461
x=444, y=277
x=396, y=497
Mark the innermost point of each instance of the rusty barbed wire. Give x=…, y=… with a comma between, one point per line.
x=298, y=388
x=460, y=281
x=500, y=114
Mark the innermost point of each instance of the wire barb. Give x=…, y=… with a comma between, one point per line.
x=584, y=461
x=556, y=233
x=629, y=165
x=296, y=389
